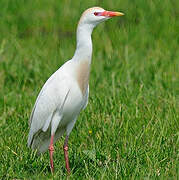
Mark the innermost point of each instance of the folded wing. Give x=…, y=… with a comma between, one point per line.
x=51, y=97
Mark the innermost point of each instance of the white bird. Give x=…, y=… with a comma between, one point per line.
x=65, y=93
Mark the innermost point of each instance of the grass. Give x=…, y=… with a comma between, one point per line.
x=130, y=128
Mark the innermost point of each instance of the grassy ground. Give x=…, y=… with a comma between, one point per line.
x=130, y=129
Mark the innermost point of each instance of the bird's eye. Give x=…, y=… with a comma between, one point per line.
x=96, y=13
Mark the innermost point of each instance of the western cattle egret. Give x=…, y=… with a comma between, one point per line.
x=65, y=93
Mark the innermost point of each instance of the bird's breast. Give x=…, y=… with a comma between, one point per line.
x=82, y=75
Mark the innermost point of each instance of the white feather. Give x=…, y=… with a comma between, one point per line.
x=58, y=103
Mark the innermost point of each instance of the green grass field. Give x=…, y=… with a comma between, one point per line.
x=130, y=128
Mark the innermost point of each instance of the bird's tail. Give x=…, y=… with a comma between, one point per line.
x=41, y=140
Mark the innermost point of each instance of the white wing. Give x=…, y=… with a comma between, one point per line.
x=52, y=96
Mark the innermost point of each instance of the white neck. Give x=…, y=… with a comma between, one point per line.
x=84, y=43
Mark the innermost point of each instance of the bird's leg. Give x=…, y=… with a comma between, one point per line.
x=65, y=147
x=51, y=150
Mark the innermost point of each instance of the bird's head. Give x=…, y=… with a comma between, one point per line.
x=94, y=16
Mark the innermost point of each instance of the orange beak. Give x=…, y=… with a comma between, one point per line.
x=108, y=14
